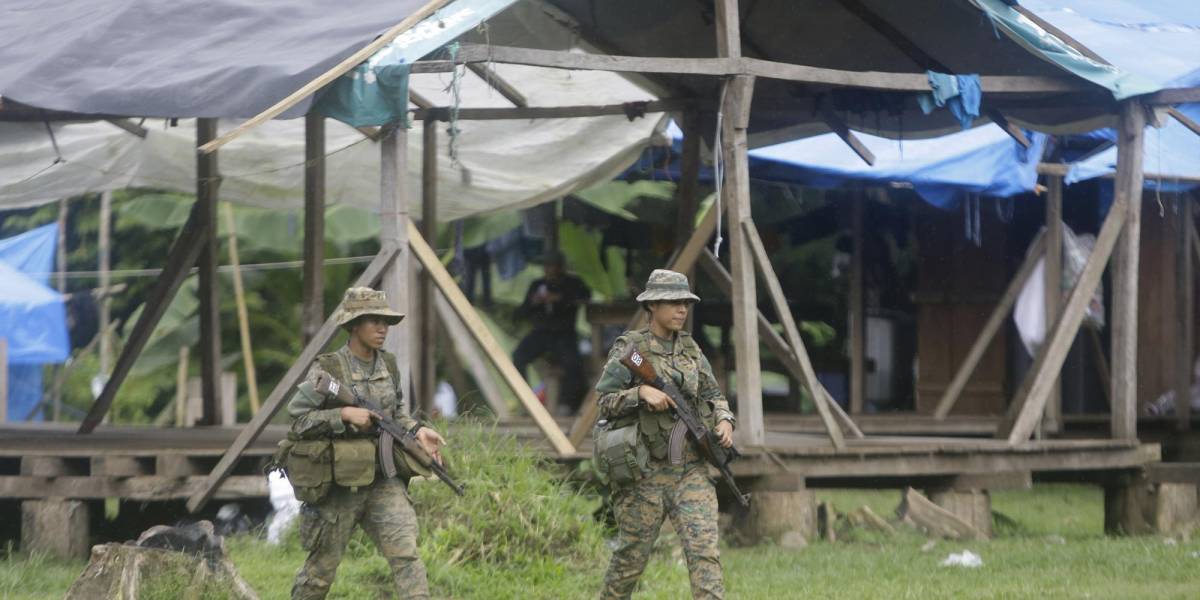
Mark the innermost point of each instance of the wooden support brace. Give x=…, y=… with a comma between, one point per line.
x=496, y=82
x=483, y=336
x=682, y=261
x=1127, y=192
x=995, y=320
x=470, y=357
x=775, y=291
x=313, y=279
x=129, y=126
x=208, y=180
x=792, y=360
x=838, y=126
x=1052, y=421
x=1012, y=130
x=1031, y=397
x=1184, y=120
x=285, y=388
x=184, y=253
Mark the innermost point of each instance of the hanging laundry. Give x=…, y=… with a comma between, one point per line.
x=961, y=94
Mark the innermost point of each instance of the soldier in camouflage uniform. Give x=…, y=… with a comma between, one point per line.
x=382, y=508
x=683, y=491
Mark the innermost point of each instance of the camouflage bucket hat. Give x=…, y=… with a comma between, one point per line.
x=361, y=301
x=667, y=285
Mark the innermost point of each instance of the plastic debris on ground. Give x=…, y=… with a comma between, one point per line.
x=285, y=507
x=966, y=558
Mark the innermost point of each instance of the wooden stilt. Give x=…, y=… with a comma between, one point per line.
x=60, y=283
x=687, y=197
x=1127, y=191
x=1184, y=303
x=393, y=231
x=105, y=261
x=990, y=328
x=207, y=183
x=857, y=320
x=1030, y=400
x=239, y=297
x=184, y=254
x=284, y=389
x=809, y=379
x=427, y=362
x=181, y=379
x=483, y=336
x=1052, y=420
x=313, y=286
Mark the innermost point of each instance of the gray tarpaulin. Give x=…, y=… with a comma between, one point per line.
x=172, y=58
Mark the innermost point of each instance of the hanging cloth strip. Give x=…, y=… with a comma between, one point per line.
x=959, y=93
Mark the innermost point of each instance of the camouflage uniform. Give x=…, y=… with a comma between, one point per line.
x=682, y=492
x=383, y=508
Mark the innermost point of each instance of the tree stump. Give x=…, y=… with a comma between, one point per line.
x=166, y=562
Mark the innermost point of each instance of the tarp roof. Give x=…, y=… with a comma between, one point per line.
x=986, y=37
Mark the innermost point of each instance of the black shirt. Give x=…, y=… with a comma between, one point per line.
x=558, y=315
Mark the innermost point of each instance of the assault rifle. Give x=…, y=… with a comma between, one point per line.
x=407, y=438
x=707, y=441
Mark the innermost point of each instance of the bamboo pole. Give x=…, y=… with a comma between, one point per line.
x=239, y=294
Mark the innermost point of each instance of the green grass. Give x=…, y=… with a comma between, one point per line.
x=521, y=533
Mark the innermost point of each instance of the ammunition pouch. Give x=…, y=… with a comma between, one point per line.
x=620, y=457
x=354, y=462
x=308, y=465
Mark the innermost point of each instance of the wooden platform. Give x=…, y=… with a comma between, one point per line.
x=42, y=461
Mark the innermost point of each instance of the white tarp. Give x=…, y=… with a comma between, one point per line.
x=504, y=164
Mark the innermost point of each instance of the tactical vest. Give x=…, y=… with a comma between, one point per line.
x=684, y=371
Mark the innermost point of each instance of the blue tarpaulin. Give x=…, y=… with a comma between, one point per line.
x=33, y=318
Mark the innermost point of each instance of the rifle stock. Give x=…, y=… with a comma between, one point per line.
x=706, y=440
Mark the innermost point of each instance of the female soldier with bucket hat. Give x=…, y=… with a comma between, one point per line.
x=635, y=427
x=335, y=462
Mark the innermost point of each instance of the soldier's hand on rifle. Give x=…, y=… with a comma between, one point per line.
x=725, y=432
x=656, y=400
x=358, y=417
x=432, y=441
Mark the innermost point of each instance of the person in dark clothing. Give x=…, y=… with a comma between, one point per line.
x=552, y=304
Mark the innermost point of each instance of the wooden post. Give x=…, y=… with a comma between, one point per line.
x=1052, y=419
x=3, y=380
x=775, y=291
x=181, y=395
x=239, y=294
x=393, y=231
x=990, y=328
x=687, y=197
x=427, y=358
x=60, y=262
x=1127, y=192
x=313, y=286
x=1184, y=303
x=857, y=322
x=207, y=182
x=483, y=336
x=284, y=389
x=105, y=265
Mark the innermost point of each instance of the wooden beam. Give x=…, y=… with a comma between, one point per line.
x=1012, y=130
x=393, y=231
x=796, y=344
x=1184, y=120
x=183, y=255
x=1184, y=316
x=1052, y=278
x=990, y=328
x=426, y=365
x=483, y=336
x=469, y=355
x=729, y=28
x=1030, y=399
x=129, y=126
x=1185, y=95
x=857, y=319
x=327, y=77
x=726, y=67
x=285, y=388
x=842, y=130
x=209, y=288
x=418, y=100
x=243, y=316
x=553, y=112
x=683, y=261
x=1127, y=192
x=496, y=82
x=313, y=278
